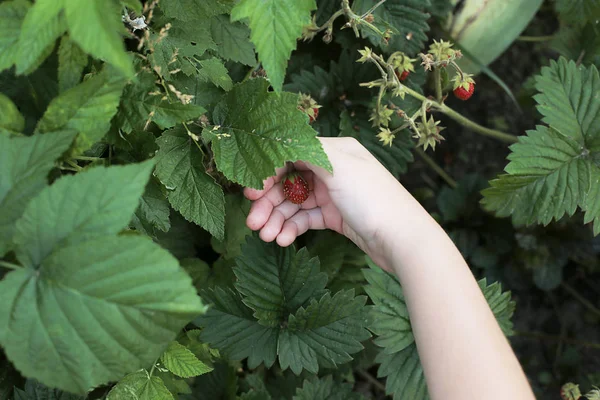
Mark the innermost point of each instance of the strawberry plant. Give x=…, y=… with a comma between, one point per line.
x=129, y=128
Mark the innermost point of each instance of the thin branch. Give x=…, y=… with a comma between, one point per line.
x=439, y=170
x=535, y=38
x=371, y=379
x=6, y=264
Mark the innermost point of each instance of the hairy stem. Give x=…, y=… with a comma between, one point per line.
x=439, y=170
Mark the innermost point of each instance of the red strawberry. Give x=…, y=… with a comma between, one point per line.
x=313, y=116
x=464, y=94
x=308, y=106
x=295, y=188
x=403, y=75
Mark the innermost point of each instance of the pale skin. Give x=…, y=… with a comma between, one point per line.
x=463, y=351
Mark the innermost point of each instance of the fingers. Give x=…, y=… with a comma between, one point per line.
x=275, y=222
x=298, y=224
x=255, y=194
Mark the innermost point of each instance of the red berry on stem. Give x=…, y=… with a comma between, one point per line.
x=403, y=75
x=464, y=94
x=295, y=188
x=313, y=117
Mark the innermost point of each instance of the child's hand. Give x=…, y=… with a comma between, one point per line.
x=359, y=200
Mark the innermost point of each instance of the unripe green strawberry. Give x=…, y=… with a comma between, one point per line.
x=295, y=188
x=309, y=106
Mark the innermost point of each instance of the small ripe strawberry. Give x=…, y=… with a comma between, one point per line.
x=308, y=106
x=464, y=94
x=403, y=75
x=295, y=188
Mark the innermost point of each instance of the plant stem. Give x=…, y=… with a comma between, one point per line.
x=437, y=81
x=556, y=338
x=585, y=302
x=8, y=265
x=535, y=38
x=439, y=170
x=372, y=380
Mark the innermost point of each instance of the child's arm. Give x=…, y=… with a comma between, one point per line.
x=463, y=351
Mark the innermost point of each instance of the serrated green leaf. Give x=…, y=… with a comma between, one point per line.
x=96, y=202
x=275, y=281
x=36, y=391
x=96, y=27
x=229, y=326
x=12, y=121
x=173, y=384
x=182, y=362
x=12, y=14
x=236, y=230
x=232, y=40
x=71, y=62
x=404, y=374
x=501, y=304
x=191, y=191
x=154, y=207
x=275, y=27
x=214, y=71
x=140, y=386
x=311, y=340
x=578, y=43
x=141, y=104
x=106, y=319
x=248, y=146
x=222, y=383
x=404, y=17
x=326, y=389
x=43, y=24
x=553, y=170
x=578, y=11
x=25, y=163
x=187, y=10
x=86, y=108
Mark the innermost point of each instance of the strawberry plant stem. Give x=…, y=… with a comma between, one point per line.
x=535, y=38
x=434, y=166
x=8, y=265
x=372, y=380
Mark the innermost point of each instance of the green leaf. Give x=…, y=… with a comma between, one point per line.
x=36, y=391
x=12, y=120
x=154, y=207
x=248, y=147
x=96, y=202
x=232, y=40
x=71, y=62
x=43, y=24
x=141, y=105
x=12, y=14
x=276, y=25
x=236, y=230
x=140, y=386
x=25, y=163
x=106, y=320
x=214, y=71
x=187, y=10
x=182, y=362
x=86, y=108
x=574, y=42
x=501, y=304
x=404, y=374
x=222, y=383
x=404, y=17
x=312, y=338
x=578, y=12
x=191, y=191
x=553, y=170
x=97, y=28
x=326, y=389
x=276, y=281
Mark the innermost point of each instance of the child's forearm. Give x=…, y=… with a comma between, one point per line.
x=462, y=348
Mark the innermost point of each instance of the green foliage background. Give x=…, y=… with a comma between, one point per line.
x=127, y=269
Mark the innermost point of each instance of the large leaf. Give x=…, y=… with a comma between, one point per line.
x=12, y=14
x=276, y=281
x=191, y=191
x=140, y=386
x=80, y=319
x=182, y=362
x=578, y=11
x=187, y=10
x=501, y=304
x=553, y=170
x=259, y=131
x=71, y=62
x=12, y=120
x=407, y=18
x=326, y=389
x=86, y=108
x=236, y=230
x=25, y=163
x=283, y=313
x=232, y=39
x=154, y=207
x=93, y=203
x=142, y=104
x=276, y=25
x=578, y=43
